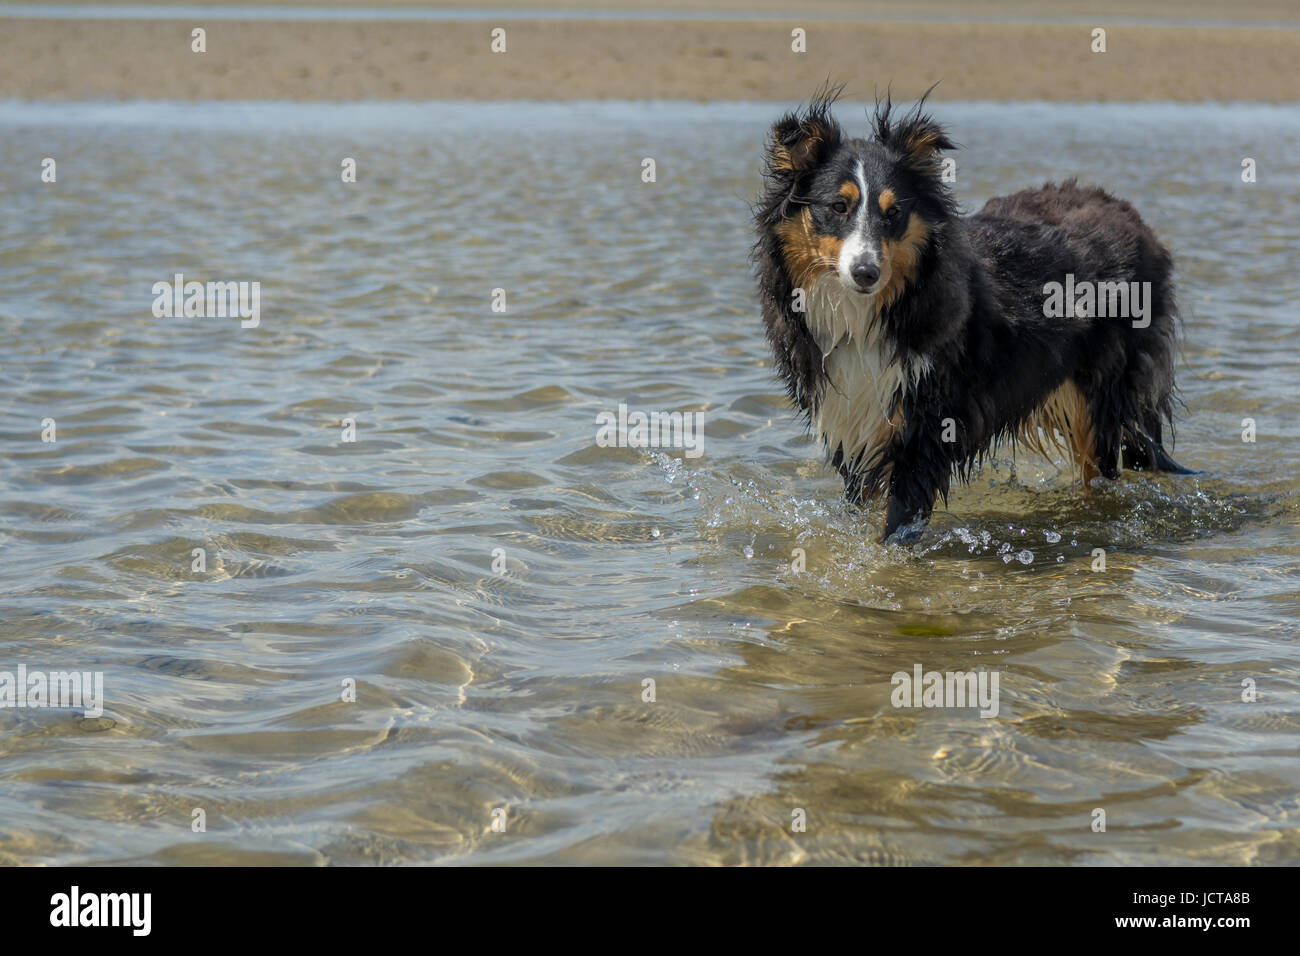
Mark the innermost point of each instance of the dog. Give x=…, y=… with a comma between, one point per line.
x=916, y=340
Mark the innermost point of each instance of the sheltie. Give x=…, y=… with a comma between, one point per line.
x=916, y=340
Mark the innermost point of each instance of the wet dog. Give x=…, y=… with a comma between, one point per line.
x=916, y=340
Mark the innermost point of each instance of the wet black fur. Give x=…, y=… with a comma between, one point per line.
x=975, y=309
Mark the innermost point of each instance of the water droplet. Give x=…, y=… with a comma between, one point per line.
x=654, y=533
x=1051, y=536
x=1025, y=557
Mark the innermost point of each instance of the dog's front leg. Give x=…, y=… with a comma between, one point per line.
x=919, y=475
x=906, y=517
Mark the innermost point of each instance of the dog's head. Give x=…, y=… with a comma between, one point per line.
x=864, y=210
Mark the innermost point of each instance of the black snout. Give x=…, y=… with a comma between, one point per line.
x=865, y=274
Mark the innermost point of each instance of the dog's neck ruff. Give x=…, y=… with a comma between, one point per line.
x=856, y=408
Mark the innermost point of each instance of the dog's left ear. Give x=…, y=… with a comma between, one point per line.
x=919, y=138
x=916, y=134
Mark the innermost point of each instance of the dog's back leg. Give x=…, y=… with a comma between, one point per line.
x=1164, y=463
x=1144, y=451
x=1129, y=406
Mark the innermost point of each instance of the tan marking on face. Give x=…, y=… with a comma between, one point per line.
x=850, y=192
x=1063, y=424
x=885, y=199
x=900, y=257
x=808, y=254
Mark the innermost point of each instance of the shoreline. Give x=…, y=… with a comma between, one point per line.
x=596, y=59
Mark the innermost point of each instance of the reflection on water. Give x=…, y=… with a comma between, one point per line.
x=376, y=560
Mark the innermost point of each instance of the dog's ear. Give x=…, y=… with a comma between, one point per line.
x=920, y=137
x=803, y=138
x=916, y=134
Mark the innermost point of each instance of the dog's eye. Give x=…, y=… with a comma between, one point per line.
x=891, y=213
x=839, y=207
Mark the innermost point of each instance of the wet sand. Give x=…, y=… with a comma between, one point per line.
x=962, y=10
x=655, y=59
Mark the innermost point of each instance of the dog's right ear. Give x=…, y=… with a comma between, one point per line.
x=803, y=138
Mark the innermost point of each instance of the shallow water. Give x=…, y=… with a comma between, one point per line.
x=372, y=560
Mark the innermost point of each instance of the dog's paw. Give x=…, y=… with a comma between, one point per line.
x=905, y=533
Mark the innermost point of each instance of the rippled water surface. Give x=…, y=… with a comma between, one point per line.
x=372, y=561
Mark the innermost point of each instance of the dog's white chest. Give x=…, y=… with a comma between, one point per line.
x=858, y=394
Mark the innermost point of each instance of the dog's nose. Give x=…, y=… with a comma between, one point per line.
x=865, y=274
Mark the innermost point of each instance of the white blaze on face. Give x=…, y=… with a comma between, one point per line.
x=859, y=244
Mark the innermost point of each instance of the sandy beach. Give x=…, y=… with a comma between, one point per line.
x=1032, y=56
